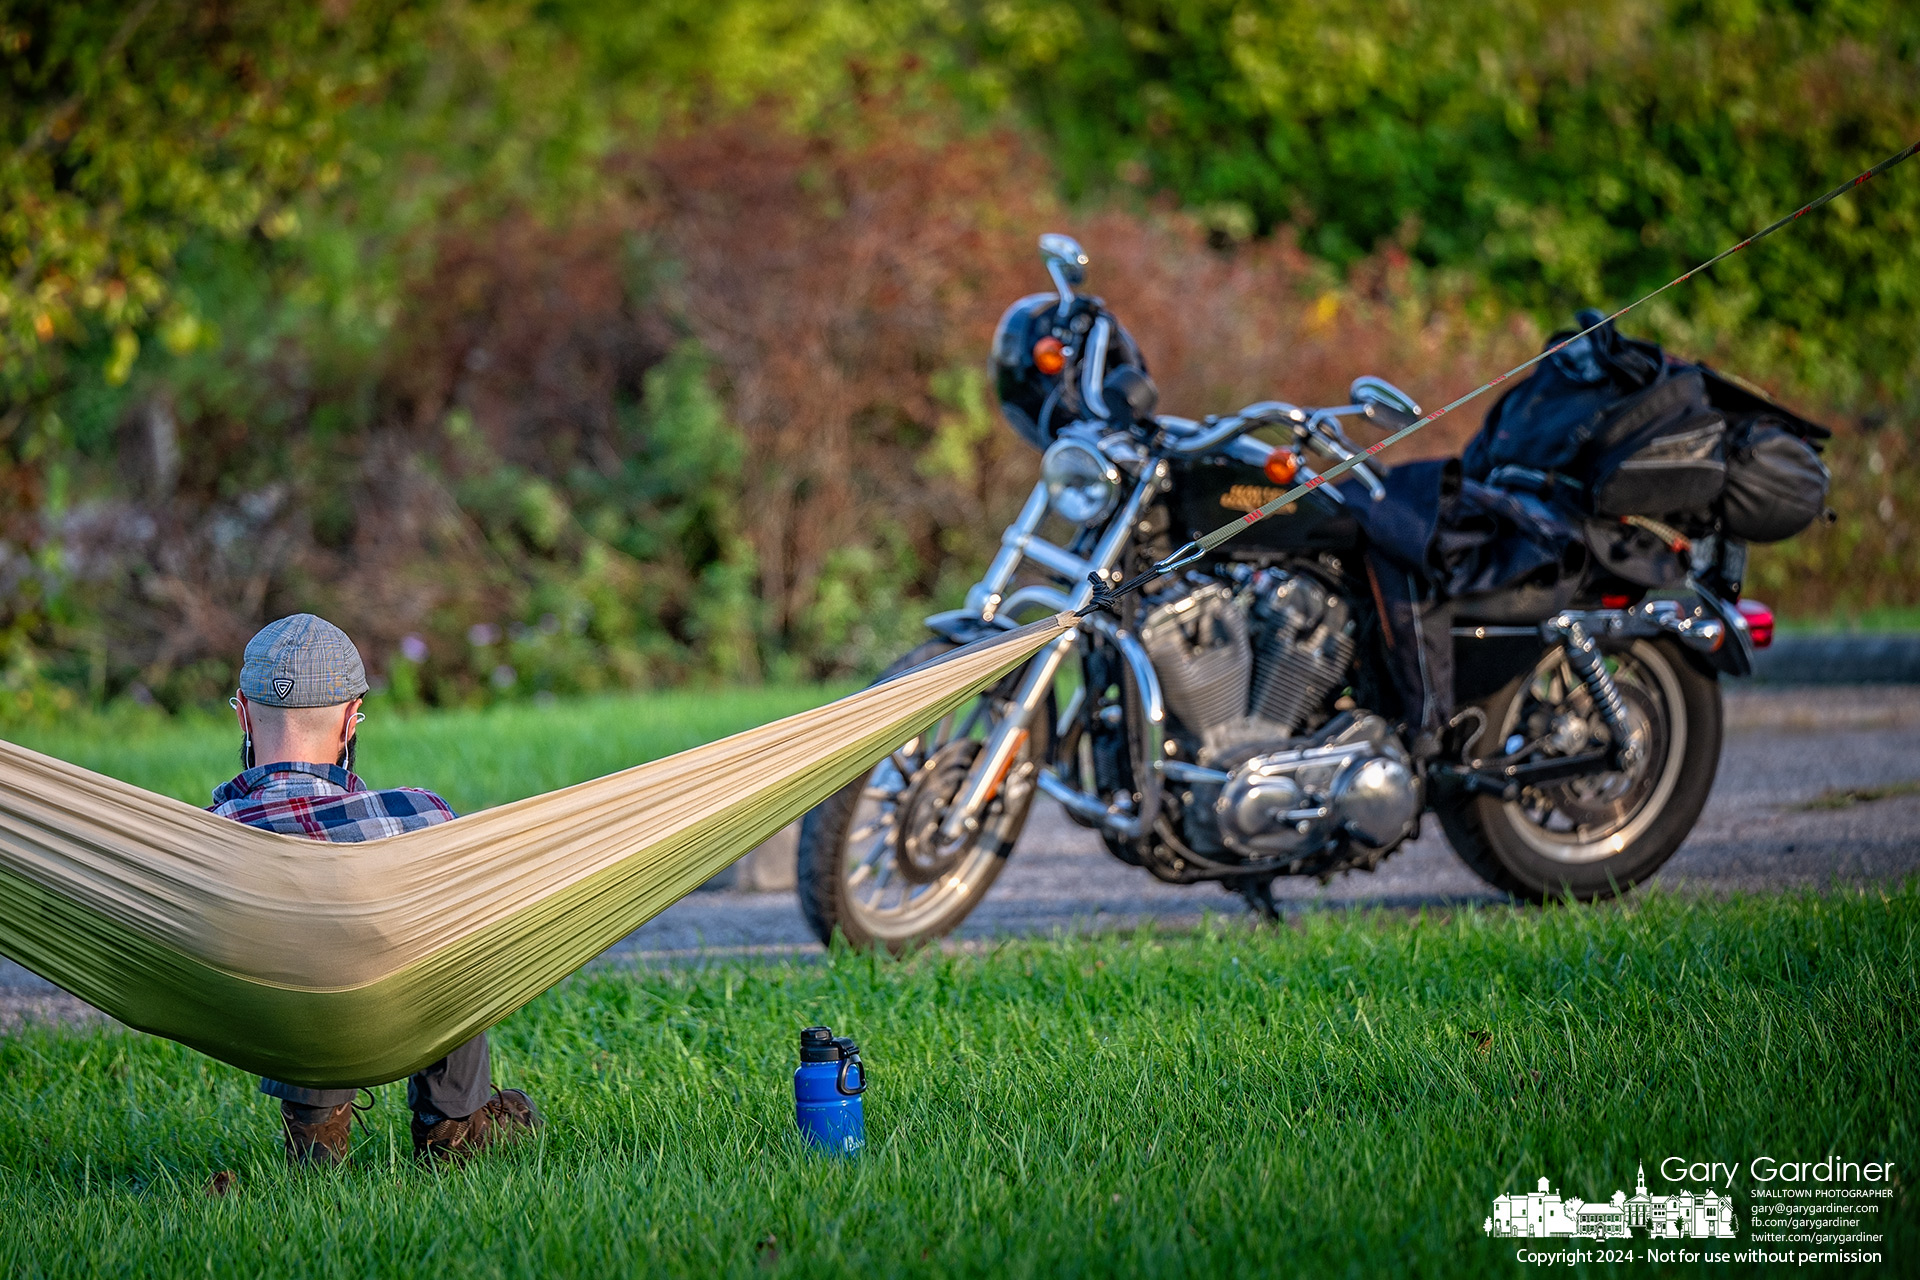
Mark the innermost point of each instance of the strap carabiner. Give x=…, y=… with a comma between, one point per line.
x=840, y=1079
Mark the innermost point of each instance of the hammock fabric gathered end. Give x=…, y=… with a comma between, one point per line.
x=337, y=965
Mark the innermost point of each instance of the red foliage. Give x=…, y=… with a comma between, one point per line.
x=838, y=283
x=832, y=276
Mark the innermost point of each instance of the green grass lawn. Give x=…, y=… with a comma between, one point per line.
x=1343, y=1096
x=1890, y=618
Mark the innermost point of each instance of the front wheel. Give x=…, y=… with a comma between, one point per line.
x=873, y=866
x=1595, y=836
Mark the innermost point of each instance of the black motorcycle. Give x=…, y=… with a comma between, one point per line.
x=1512, y=654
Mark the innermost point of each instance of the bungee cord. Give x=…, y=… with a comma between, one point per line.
x=1193, y=551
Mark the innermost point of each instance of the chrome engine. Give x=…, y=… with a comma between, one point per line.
x=1355, y=782
x=1305, y=648
x=1278, y=772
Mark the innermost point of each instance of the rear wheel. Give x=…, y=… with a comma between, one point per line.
x=872, y=863
x=1599, y=835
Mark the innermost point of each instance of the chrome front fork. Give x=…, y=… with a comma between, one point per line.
x=986, y=596
x=1004, y=741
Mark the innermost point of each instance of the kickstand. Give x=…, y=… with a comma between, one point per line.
x=1258, y=892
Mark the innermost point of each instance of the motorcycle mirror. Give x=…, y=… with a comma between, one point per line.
x=1383, y=402
x=1130, y=396
x=1066, y=263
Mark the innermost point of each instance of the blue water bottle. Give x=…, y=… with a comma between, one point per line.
x=826, y=1092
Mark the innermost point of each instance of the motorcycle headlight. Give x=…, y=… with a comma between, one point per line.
x=1082, y=486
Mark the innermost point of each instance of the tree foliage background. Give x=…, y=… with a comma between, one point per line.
x=555, y=346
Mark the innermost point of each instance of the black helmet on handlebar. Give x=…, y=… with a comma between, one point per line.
x=1036, y=362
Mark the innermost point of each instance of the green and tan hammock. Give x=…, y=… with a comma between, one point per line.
x=355, y=964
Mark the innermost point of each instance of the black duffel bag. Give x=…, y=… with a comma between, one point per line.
x=1618, y=428
x=1546, y=422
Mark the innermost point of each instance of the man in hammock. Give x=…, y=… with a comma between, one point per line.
x=300, y=689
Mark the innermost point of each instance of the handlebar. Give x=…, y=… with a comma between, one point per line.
x=1386, y=417
x=1185, y=438
x=1325, y=431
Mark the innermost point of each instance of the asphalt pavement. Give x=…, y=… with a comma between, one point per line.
x=1817, y=786
x=1793, y=804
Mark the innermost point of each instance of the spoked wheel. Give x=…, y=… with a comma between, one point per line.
x=873, y=864
x=1598, y=835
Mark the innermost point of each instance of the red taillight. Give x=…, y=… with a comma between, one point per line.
x=1759, y=622
x=1615, y=602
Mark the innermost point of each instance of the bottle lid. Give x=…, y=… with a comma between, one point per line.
x=818, y=1045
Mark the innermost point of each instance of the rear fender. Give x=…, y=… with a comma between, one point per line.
x=1734, y=657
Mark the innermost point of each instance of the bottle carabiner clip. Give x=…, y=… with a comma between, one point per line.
x=849, y=1057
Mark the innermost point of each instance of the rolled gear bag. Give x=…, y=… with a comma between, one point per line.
x=1776, y=483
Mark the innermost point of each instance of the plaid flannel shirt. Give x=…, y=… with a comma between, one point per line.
x=324, y=802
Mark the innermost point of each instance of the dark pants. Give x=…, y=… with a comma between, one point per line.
x=454, y=1087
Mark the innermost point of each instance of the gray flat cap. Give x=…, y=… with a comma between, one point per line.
x=302, y=661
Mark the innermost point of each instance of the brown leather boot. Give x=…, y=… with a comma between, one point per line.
x=317, y=1136
x=508, y=1116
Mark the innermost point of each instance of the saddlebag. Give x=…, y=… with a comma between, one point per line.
x=1618, y=428
x=1660, y=451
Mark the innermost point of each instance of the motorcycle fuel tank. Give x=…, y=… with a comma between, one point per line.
x=1209, y=491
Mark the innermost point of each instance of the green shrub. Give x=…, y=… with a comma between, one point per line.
x=578, y=346
x=1560, y=155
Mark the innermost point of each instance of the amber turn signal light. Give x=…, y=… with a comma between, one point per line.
x=1282, y=466
x=1049, y=357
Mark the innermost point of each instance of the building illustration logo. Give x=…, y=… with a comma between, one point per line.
x=1540, y=1214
